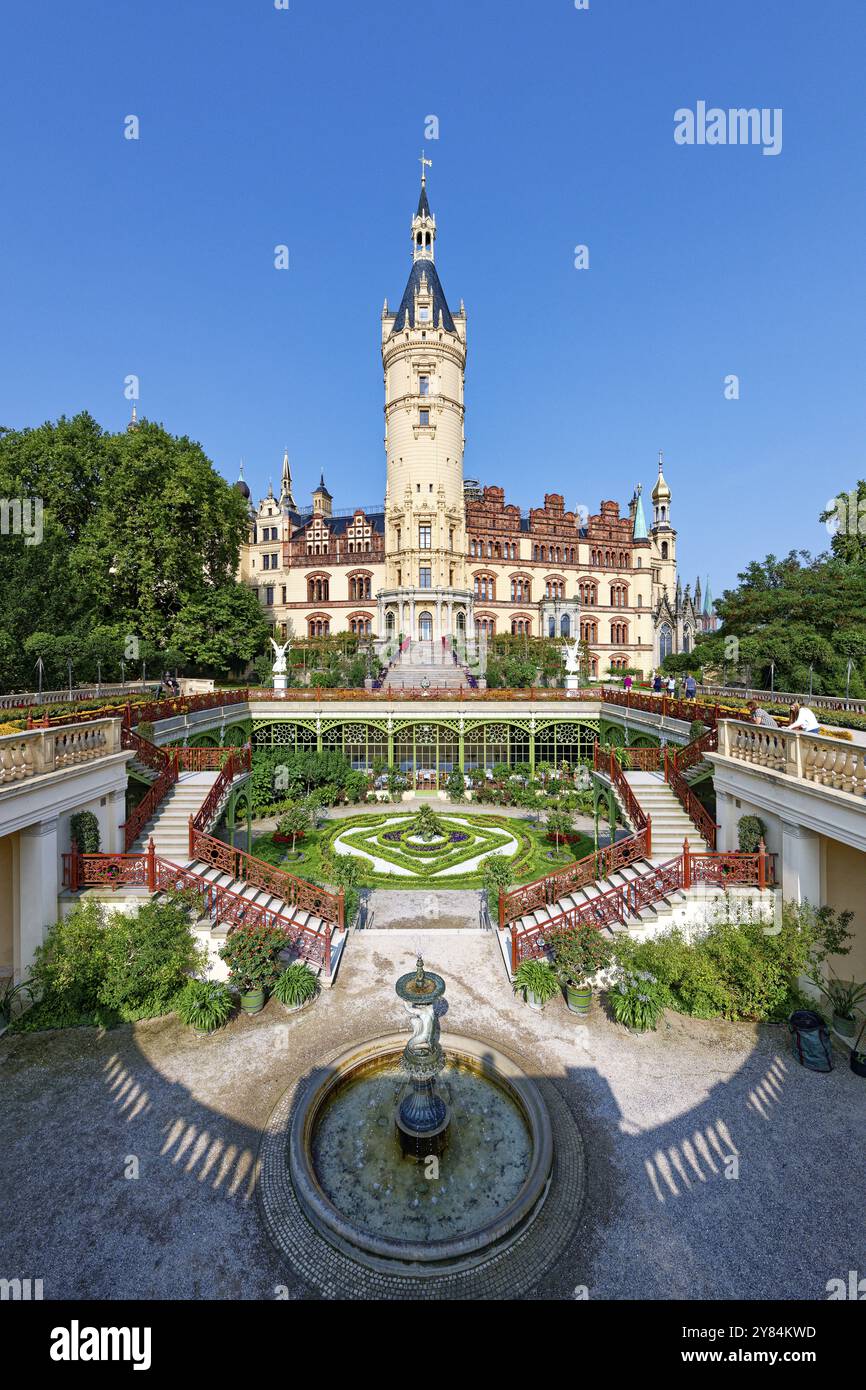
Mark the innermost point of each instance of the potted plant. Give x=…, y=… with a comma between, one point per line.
x=251, y=955
x=844, y=997
x=204, y=1005
x=858, y=1058
x=536, y=981
x=579, y=953
x=296, y=986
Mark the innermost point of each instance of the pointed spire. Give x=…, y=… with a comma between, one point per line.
x=286, y=496
x=708, y=599
x=639, y=532
x=133, y=420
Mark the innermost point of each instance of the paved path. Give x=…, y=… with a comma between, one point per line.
x=411, y=910
x=661, y=1117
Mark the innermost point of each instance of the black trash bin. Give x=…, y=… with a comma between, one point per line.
x=810, y=1040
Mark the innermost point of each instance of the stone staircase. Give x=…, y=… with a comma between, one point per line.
x=169, y=828
x=670, y=824
x=425, y=661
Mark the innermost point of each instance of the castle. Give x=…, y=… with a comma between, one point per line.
x=447, y=558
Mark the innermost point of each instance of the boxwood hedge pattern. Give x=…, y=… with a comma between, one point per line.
x=463, y=838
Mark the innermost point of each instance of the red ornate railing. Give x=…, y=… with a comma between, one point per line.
x=158, y=875
x=620, y=902
x=298, y=892
x=616, y=855
x=675, y=765
x=165, y=764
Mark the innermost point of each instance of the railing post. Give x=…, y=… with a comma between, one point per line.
x=501, y=909
x=341, y=908
x=73, y=866
x=191, y=838
x=687, y=865
x=762, y=866
x=649, y=836
x=327, y=961
x=151, y=866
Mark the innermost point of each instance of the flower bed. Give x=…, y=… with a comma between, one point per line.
x=387, y=846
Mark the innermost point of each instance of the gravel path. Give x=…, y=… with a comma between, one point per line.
x=129, y=1158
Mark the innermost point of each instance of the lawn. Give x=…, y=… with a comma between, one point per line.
x=389, y=854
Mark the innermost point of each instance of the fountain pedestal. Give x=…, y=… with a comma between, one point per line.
x=422, y=1116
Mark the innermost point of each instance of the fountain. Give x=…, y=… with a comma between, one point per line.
x=424, y=1156
x=423, y=1116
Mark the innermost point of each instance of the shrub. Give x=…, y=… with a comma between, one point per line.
x=69, y=966
x=84, y=832
x=149, y=954
x=637, y=1000
x=456, y=785
x=750, y=832
x=536, y=977
x=296, y=985
x=204, y=1004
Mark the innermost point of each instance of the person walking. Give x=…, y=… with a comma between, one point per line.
x=627, y=683
x=657, y=683
x=672, y=686
x=691, y=687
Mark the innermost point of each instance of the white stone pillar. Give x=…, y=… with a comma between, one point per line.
x=38, y=886
x=726, y=815
x=801, y=865
x=116, y=817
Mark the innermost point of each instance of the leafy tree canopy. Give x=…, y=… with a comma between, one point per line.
x=136, y=561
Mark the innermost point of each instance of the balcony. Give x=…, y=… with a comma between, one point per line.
x=33, y=753
x=827, y=762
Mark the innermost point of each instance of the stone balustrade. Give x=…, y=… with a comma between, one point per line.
x=35, y=752
x=827, y=762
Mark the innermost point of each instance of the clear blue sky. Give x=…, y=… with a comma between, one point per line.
x=304, y=127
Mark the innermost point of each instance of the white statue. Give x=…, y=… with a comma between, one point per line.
x=423, y=1020
x=279, y=666
x=572, y=658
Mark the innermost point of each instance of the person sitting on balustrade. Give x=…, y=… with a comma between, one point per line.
x=761, y=716
x=803, y=720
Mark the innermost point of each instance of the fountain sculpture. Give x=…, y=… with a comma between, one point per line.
x=423, y=1116
x=423, y=1155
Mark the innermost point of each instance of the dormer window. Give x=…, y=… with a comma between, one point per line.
x=424, y=313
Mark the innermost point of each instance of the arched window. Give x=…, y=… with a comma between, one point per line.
x=666, y=641
x=565, y=626
x=664, y=550
x=425, y=627
x=687, y=640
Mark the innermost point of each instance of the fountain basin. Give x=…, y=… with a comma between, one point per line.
x=360, y=1193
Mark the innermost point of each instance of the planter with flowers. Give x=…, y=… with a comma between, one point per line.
x=579, y=954
x=251, y=956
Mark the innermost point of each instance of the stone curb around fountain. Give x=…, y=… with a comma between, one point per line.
x=510, y=1271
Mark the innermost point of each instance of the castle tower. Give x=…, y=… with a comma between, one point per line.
x=426, y=595
x=662, y=535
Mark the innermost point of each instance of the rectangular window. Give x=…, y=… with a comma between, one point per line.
x=424, y=537
x=269, y=596
x=424, y=385
x=266, y=562
x=424, y=417
x=424, y=577
x=284, y=599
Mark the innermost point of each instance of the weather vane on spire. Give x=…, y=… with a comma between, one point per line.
x=425, y=165
x=661, y=460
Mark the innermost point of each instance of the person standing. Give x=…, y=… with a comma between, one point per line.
x=657, y=683
x=672, y=686
x=691, y=687
x=627, y=683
